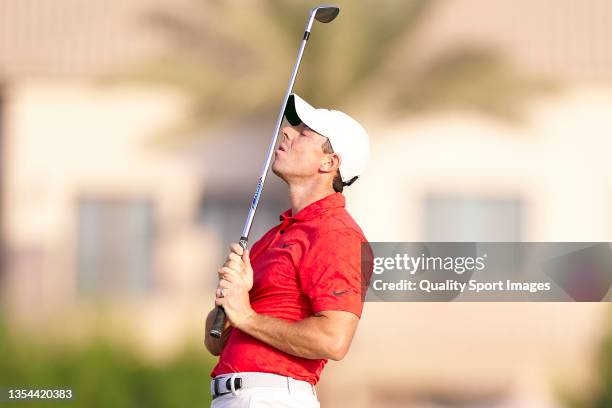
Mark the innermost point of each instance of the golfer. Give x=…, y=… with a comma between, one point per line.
x=294, y=300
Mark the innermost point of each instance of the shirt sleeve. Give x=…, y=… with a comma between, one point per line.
x=331, y=275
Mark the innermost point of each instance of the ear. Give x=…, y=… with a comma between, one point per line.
x=330, y=163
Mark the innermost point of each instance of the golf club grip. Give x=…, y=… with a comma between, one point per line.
x=219, y=322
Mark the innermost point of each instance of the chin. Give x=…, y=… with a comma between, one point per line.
x=277, y=171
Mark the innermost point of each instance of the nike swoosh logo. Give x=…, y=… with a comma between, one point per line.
x=339, y=292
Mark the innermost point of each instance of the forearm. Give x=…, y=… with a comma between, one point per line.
x=214, y=345
x=311, y=338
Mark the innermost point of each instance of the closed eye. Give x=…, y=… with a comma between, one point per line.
x=306, y=131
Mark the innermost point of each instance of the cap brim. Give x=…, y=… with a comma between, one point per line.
x=290, y=112
x=298, y=110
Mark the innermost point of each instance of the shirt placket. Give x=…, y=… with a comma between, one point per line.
x=287, y=222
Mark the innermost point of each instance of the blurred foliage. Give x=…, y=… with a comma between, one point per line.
x=471, y=78
x=604, y=396
x=233, y=60
x=104, y=374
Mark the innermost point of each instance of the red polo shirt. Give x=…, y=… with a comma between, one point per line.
x=309, y=263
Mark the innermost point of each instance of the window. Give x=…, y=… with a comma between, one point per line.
x=473, y=219
x=114, y=246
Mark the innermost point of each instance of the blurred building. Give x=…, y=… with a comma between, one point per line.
x=94, y=213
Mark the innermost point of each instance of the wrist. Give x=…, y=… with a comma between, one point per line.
x=247, y=322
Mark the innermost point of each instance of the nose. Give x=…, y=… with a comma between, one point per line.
x=288, y=133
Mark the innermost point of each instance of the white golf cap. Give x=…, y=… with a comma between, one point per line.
x=347, y=137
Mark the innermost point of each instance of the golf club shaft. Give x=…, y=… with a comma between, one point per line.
x=219, y=322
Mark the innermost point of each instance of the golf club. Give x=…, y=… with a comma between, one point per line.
x=323, y=14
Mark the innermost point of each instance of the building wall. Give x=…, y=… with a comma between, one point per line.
x=2, y=172
x=68, y=142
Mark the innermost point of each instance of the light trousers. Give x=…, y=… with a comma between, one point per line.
x=266, y=397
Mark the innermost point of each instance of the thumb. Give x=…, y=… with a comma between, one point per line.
x=246, y=258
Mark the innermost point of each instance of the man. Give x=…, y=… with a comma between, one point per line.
x=293, y=302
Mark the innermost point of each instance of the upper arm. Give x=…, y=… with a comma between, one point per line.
x=332, y=276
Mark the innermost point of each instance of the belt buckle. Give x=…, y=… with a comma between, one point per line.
x=232, y=384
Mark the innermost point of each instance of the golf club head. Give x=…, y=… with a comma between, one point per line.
x=326, y=14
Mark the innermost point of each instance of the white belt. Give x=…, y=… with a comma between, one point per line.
x=233, y=383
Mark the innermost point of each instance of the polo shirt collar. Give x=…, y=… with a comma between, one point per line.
x=335, y=200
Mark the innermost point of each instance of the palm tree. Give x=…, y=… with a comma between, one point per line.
x=233, y=59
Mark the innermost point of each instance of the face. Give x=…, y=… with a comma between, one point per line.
x=300, y=154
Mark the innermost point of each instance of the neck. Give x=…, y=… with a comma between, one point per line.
x=304, y=194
